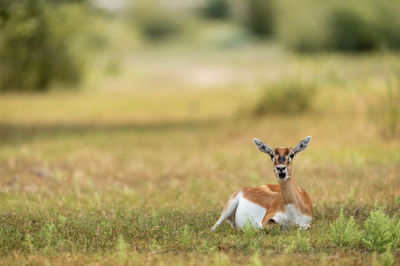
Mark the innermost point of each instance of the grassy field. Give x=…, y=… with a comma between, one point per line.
x=136, y=167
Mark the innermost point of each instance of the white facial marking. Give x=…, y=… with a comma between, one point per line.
x=283, y=171
x=292, y=216
x=248, y=211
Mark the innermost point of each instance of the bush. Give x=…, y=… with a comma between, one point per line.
x=381, y=231
x=303, y=25
x=345, y=232
x=351, y=31
x=35, y=44
x=260, y=17
x=355, y=25
x=217, y=9
x=285, y=98
x=257, y=16
x=155, y=22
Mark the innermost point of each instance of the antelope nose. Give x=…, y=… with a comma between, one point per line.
x=281, y=168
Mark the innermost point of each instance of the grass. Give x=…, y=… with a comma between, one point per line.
x=288, y=98
x=137, y=174
x=345, y=231
x=381, y=231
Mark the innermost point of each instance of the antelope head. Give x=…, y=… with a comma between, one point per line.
x=282, y=157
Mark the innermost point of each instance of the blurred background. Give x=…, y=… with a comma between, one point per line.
x=114, y=113
x=153, y=94
x=73, y=44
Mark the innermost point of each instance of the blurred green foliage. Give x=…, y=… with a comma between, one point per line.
x=388, y=111
x=47, y=42
x=260, y=17
x=216, y=9
x=381, y=231
x=345, y=231
x=38, y=44
x=351, y=31
x=155, y=22
x=353, y=25
x=287, y=97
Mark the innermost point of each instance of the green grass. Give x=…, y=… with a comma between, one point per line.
x=131, y=172
x=345, y=231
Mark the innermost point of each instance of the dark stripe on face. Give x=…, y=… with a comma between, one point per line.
x=281, y=159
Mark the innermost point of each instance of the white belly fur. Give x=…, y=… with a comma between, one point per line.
x=292, y=216
x=249, y=212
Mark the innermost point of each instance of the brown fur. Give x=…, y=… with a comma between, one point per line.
x=274, y=197
x=271, y=198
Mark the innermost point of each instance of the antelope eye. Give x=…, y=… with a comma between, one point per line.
x=272, y=157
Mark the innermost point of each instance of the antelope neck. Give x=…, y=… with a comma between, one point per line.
x=290, y=194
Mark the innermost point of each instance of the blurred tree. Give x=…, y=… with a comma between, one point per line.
x=34, y=45
x=256, y=15
x=155, y=21
x=353, y=32
x=218, y=9
x=261, y=17
x=341, y=25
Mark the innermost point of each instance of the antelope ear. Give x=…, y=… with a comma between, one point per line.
x=302, y=145
x=262, y=147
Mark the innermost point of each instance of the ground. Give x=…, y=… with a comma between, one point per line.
x=136, y=166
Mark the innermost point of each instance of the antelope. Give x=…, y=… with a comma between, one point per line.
x=284, y=204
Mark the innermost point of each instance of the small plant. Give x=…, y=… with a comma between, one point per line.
x=121, y=250
x=285, y=98
x=249, y=231
x=385, y=259
x=185, y=236
x=299, y=244
x=206, y=247
x=49, y=235
x=350, y=197
x=345, y=232
x=154, y=246
x=255, y=260
x=28, y=242
x=250, y=234
x=381, y=231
